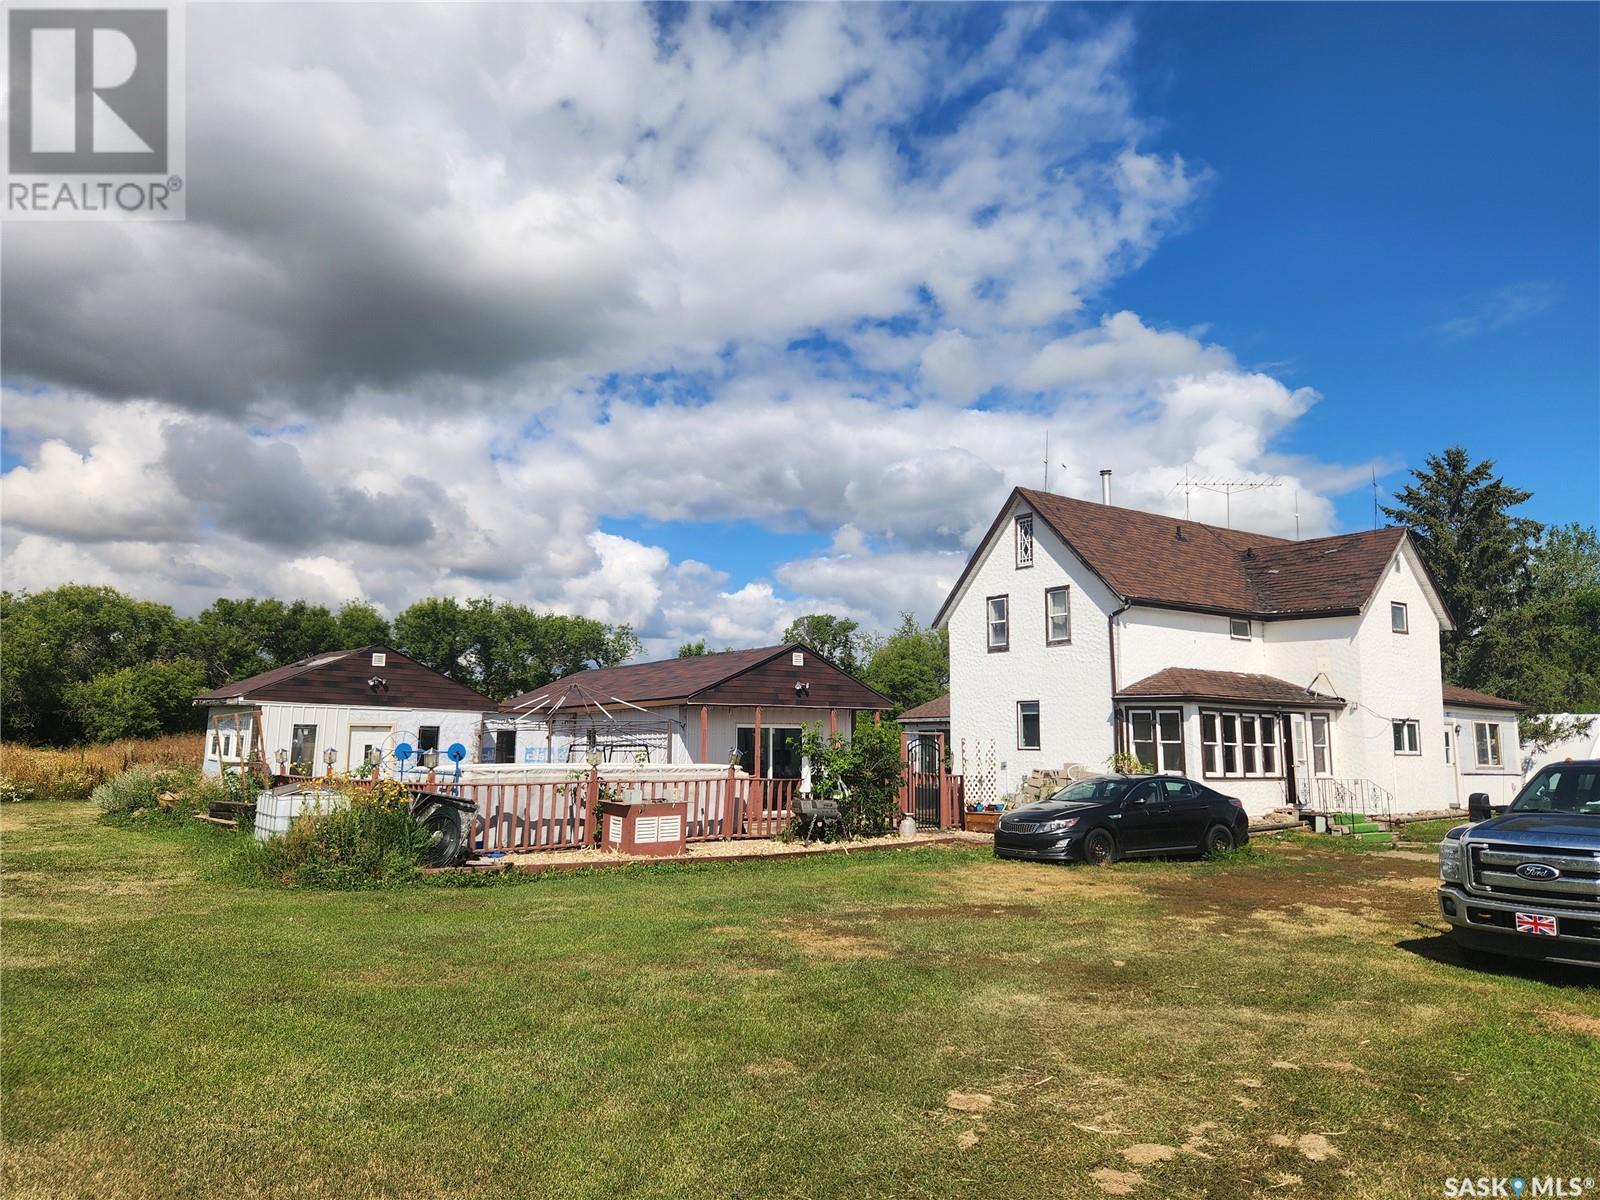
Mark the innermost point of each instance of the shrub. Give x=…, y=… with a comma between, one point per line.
x=371, y=842
x=868, y=765
x=160, y=794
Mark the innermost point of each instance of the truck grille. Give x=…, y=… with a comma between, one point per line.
x=1576, y=879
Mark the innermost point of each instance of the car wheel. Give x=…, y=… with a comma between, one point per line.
x=1219, y=839
x=1099, y=848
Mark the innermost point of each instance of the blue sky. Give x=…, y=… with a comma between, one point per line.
x=559, y=303
x=1402, y=214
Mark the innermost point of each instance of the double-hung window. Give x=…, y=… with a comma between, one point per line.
x=1321, y=745
x=1486, y=736
x=1024, y=537
x=1027, y=725
x=998, y=609
x=1241, y=745
x=1057, y=617
x=1407, y=737
x=1156, y=738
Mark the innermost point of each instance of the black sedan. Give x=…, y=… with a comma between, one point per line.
x=1109, y=817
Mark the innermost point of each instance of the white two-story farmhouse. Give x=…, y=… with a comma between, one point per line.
x=1301, y=673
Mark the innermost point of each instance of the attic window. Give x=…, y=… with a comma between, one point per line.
x=379, y=659
x=1239, y=628
x=1025, y=540
x=797, y=659
x=1399, y=621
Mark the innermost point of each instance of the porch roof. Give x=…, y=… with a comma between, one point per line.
x=937, y=709
x=1187, y=683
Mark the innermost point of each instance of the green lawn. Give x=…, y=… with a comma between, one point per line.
x=1285, y=1022
x=1428, y=831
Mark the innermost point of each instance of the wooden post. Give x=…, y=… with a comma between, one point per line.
x=727, y=806
x=833, y=722
x=591, y=801
x=757, y=756
x=705, y=734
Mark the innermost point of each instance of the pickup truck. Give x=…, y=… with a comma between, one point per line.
x=1527, y=884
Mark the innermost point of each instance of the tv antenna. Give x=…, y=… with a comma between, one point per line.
x=1227, y=487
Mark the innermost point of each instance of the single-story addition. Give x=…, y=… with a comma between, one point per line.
x=1481, y=745
x=710, y=708
x=339, y=711
x=1299, y=673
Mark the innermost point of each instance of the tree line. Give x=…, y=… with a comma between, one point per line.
x=1524, y=597
x=88, y=663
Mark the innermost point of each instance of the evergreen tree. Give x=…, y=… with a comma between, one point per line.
x=1458, y=514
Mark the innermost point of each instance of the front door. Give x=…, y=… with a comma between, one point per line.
x=1299, y=771
x=366, y=747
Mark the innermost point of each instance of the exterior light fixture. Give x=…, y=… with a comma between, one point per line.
x=282, y=756
x=594, y=757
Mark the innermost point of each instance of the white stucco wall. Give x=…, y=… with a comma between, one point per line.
x=334, y=723
x=1071, y=682
x=1399, y=678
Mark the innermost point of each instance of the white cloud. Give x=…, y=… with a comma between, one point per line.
x=431, y=324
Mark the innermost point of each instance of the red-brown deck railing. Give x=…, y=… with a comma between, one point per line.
x=554, y=815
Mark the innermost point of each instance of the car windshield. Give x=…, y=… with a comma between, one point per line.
x=1092, y=791
x=1565, y=788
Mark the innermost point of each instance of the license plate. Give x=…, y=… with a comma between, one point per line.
x=1536, y=923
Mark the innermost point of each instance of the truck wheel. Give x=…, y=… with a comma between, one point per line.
x=1219, y=839
x=1100, y=848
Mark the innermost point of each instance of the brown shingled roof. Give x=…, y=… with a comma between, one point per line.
x=340, y=677
x=937, y=709
x=1168, y=562
x=730, y=677
x=1471, y=699
x=1183, y=683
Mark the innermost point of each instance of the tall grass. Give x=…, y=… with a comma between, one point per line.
x=36, y=773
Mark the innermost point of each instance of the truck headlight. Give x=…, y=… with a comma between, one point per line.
x=1061, y=826
x=1450, y=860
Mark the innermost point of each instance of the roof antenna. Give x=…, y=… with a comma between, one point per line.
x=1047, y=460
x=1228, y=487
x=1297, y=514
x=1374, y=497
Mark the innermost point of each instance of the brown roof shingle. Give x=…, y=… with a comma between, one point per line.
x=1470, y=699
x=677, y=679
x=1147, y=557
x=937, y=709
x=340, y=677
x=1190, y=684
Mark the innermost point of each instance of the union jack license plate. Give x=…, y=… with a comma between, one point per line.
x=1535, y=923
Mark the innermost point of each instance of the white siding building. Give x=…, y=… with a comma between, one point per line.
x=1284, y=673
x=351, y=706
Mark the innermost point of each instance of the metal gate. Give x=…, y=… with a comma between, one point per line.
x=923, y=765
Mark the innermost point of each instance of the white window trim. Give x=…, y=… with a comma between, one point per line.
x=989, y=623
x=1398, y=608
x=1498, y=762
x=1233, y=629
x=1038, y=716
x=1219, y=743
x=767, y=732
x=1066, y=612
x=1327, y=744
x=1415, y=728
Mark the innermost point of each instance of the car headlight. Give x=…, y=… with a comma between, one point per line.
x=1060, y=826
x=1450, y=860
